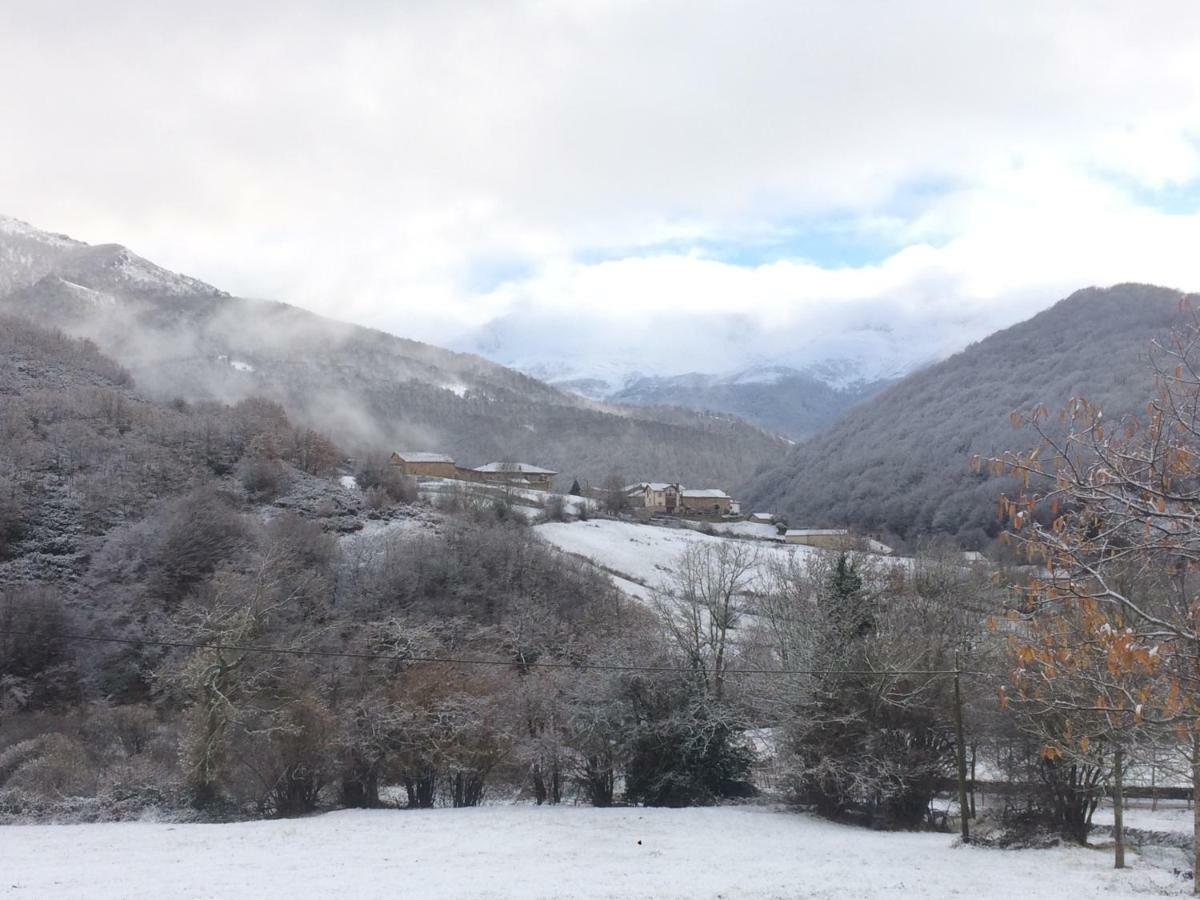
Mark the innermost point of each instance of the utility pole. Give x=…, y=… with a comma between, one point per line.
x=961, y=754
x=1118, y=807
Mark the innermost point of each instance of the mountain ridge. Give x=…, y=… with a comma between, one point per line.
x=183, y=338
x=899, y=462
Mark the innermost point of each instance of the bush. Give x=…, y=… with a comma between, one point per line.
x=196, y=533
x=48, y=767
x=36, y=667
x=555, y=509
x=687, y=752
x=262, y=477
x=376, y=471
x=12, y=517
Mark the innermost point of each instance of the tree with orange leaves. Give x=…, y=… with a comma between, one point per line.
x=1108, y=634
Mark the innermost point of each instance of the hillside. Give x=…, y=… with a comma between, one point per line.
x=86, y=458
x=182, y=338
x=900, y=461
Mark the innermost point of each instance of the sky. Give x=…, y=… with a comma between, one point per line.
x=569, y=183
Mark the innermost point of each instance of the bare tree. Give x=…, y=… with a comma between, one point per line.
x=615, y=500
x=706, y=602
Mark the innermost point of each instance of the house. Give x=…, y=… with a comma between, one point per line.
x=515, y=474
x=826, y=538
x=763, y=518
x=424, y=465
x=705, y=501
x=657, y=496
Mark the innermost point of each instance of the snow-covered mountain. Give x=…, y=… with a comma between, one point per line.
x=788, y=380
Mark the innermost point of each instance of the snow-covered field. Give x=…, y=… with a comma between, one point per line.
x=530, y=852
x=1166, y=815
x=526, y=502
x=759, y=530
x=641, y=555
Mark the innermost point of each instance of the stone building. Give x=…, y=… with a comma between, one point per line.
x=515, y=474
x=705, y=502
x=426, y=465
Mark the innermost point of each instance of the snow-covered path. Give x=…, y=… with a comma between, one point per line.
x=527, y=852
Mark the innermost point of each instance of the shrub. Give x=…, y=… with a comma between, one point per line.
x=50, y=766
x=555, y=509
x=262, y=477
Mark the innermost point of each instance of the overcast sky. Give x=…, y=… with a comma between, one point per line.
x=429, y=167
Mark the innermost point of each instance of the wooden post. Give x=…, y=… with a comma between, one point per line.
x=961, y=756
x=1153, y=779
x=1118, y=800
x=1195, y=811
x=974, y=750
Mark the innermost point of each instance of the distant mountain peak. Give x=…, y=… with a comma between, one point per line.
x=113, y=266
x=18, y=228
x=29, y=254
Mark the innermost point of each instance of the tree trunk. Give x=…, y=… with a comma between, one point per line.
x=974, y=749
x=1153, y=779
x=539, y=785
x=1119, y=808
x=360, y=790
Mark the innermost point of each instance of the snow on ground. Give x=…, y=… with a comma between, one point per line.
x=349, y=482
x=640, y=554
x=1166, y=815
x=542, y=852
x=526, y=502
x=381, y=528
x=760, y=530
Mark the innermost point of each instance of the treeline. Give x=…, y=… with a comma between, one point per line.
x=447, y=665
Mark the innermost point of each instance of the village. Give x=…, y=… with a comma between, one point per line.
x=657, y=501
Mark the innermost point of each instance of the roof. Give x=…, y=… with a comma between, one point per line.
x=415, y=457
x=710, y=493
x=523, y=468
x=652, y=485
x=762, y=517
x=815, y=532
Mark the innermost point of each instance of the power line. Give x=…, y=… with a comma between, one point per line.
x=465, y=661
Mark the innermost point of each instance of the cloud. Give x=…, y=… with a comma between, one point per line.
x=936, y=168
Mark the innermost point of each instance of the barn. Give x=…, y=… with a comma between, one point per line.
x=419, y=464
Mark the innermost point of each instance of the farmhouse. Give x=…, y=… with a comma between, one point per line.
x=705, y=501
x=515, y=474
x=657, y=496
x=428, y=465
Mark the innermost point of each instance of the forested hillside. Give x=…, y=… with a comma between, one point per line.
x=182, y=339
x=134, y=535
x=901, y=461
